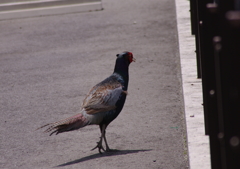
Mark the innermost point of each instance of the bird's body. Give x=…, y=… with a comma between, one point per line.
x=102, y=104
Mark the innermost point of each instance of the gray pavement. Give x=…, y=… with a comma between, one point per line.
x=48, y=64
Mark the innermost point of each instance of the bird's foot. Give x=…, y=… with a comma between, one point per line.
x=100, y=147
x=109, y=150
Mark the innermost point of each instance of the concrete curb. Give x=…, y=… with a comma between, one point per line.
x=52, y=10
x=198, y=142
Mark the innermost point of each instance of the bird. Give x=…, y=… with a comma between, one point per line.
x=102, y=104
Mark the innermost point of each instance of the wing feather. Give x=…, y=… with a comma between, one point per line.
x=103, y=97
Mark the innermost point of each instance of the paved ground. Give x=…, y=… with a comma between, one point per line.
x=48, y=64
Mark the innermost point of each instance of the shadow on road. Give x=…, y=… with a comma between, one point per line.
x=94, y=156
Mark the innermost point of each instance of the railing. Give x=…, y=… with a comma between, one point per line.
x=216, y=25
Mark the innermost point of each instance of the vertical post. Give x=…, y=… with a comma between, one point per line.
x=228, y=81
x=207, y=29
x=195, y=30
x=210, y=31
x=193, y=16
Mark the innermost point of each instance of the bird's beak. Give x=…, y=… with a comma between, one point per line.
x=133, y=59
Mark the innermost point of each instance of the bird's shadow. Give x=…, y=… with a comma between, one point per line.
x=94, y=156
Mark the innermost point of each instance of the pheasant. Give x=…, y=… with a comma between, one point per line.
x=102, y=104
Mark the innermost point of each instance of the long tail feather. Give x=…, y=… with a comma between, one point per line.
x=69, y=124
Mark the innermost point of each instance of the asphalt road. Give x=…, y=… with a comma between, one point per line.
x=47, y=66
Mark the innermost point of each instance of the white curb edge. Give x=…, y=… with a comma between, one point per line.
x=198, y=142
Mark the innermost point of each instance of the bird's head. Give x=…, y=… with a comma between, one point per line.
x=126, y=56
x=122, y=63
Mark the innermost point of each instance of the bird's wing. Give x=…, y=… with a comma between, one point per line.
x=102, y=97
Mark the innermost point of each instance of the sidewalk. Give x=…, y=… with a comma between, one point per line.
x=198, y=142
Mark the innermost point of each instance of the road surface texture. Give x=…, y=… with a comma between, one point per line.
x=48, y=64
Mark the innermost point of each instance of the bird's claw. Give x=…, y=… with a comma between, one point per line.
x=100, y=147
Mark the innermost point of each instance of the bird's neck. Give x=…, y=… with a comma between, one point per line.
x=122, y=77
x=121, y=68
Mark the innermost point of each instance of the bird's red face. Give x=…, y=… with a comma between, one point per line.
x=127, y=56
x=130, y=57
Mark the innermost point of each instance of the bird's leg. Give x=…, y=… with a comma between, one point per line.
x=107, y=147
x=99, y=144
x=103, y=130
